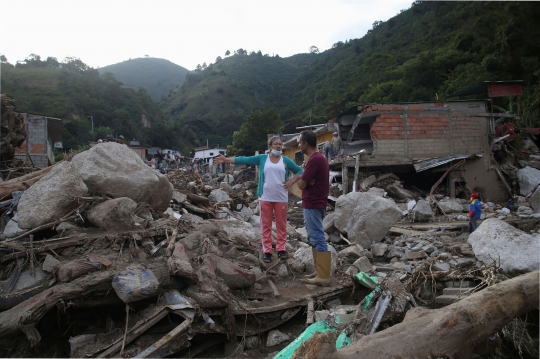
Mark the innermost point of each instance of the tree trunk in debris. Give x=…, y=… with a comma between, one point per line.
x=27, y=314
x=22, y=183
x=455, y=331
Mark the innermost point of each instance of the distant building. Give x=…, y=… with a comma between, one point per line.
x=44, y=135
x=207, y=154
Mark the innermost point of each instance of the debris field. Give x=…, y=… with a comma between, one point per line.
x=103, y=256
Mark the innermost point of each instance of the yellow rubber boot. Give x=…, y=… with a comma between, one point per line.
x=314, y=274
x=324, y=263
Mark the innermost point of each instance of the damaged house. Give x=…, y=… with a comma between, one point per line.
x=419, y=142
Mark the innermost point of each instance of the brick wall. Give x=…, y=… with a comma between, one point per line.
x=37, y=134
x=418, y=131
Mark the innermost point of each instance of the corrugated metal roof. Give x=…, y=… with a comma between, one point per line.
x=435, y=162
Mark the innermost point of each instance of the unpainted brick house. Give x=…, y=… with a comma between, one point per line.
x=419, y=142
x=44, y=134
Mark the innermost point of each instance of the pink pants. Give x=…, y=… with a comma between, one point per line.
x=279, y=209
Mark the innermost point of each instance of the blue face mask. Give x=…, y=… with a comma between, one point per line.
x=276, y=153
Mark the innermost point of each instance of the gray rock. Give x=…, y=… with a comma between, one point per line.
x=282, y=271
x=218, y=195
x=528, y=179
x=12, y=228
x=415, y=255
x=379, y=249
x=179, y=197
x=441, y=266
x=351, y=254
x=114, y=213
x=52, y=197
x=234, y=228
x=276, y=337
x=302, y=232
x=398, y=193
x=245, y=213
x=328, y=223
x=451, y=206
x=379, y=192
x=394, y=251
x=335, y=238
x=192, y=217
x=50, y=263
x=115, y=170
x=364, y=184
x=361, y=264
x=365, y=218
x=517, y=250
x=423, y=212
x=255, y=221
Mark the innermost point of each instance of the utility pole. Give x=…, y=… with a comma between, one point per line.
x=91, y=118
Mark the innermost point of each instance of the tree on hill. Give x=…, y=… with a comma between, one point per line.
x=313, y=50
x=227, y=53
x=218, y=59
x=252, y=135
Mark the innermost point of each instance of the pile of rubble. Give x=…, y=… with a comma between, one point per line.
x=105, y=257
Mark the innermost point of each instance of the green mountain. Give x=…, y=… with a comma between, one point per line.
x=424, y=53
x=157, y=76
x=79, y=95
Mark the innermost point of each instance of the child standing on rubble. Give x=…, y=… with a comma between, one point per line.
x=475, y=211
x=272, y=191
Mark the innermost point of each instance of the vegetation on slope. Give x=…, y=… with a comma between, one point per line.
x=77, y=94
x=157, y=76
x=424, y=53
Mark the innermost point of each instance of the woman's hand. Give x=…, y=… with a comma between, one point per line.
x=220, y=159
x=287, y=184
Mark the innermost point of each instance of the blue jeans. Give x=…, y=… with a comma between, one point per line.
x=314, y=228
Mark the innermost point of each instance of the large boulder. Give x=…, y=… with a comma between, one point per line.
x=528, y=179
x=114, y=213
x=364, y=217
x=513, y=250
x=422, y=212
x=52, y=197
x=115, y=170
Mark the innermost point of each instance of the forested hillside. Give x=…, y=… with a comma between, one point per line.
x=76, y=93
x=157, y=76
x=424, y=53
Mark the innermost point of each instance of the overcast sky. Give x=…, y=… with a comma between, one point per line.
x=186, y=32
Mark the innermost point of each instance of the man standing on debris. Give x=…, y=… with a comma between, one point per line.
x=314, y=184
x=273, y=196
x=475, y=212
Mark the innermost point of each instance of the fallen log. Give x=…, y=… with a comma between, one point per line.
x=455, y=331
x=22, y=183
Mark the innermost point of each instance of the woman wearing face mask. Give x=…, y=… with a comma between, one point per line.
x=272, y=191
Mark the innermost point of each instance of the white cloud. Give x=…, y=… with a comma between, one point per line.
x=185, y=32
